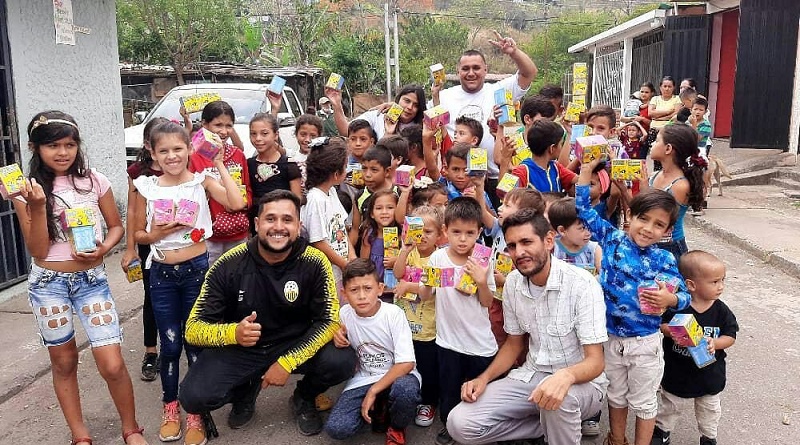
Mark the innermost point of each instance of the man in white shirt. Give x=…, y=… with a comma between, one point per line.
x=475, y=99
x=562, y=380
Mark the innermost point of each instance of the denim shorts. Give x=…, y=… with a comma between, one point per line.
x=56, y=296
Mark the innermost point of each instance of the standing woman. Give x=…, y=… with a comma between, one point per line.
x=666, y=106
x=411, y=98
x=63, y=282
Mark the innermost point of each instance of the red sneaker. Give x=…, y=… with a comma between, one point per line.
x=395, y=437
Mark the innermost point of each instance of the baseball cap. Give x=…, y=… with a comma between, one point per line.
x=323, y=100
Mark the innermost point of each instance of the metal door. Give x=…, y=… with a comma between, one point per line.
x=687, y=46
x=765, y=66
x=13, y=256
x=647, y=59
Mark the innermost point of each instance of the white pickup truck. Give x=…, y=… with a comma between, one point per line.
x=247, y=99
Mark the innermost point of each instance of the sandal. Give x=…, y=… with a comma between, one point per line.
x=78, y=440
x=130, y=433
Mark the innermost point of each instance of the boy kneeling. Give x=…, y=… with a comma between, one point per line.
x=386, y=382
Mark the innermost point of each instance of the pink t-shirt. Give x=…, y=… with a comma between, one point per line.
x=84, y=192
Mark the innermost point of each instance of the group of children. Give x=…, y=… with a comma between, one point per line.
x=423, y=311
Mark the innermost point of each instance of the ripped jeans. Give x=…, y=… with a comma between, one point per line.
x=55, y=296
x=173, y=291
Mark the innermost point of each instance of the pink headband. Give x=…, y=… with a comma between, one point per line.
x=605, y=181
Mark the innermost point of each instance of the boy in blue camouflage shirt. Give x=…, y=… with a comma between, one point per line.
x=634, y=356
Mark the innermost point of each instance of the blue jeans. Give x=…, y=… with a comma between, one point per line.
x=677, y=247
x=345, y=420
x=173, y=291
x=55, y=296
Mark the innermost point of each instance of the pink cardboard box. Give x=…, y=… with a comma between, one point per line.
x=11, y=181
x=591, y=147
x=436, y=117
x=671, y=282
x=163, y=211
x=685, y=330
x=403, y=176
x=186, y=212
x=206, y=144
x=644, y=306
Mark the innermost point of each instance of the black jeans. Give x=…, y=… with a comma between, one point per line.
x=456, y=368
x=233, y=373
x=427, y=354
x=148, y=319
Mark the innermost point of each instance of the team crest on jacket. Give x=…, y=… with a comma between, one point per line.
x=291, y=291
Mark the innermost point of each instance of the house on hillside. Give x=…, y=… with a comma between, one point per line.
x=751, y=76
x=57, y=55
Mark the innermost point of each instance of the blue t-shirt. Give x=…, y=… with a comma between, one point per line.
x=625, y=265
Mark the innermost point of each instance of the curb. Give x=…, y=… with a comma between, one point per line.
x=786, y=265
x=31, y=377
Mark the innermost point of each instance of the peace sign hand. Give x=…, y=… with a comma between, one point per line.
x=505, y=44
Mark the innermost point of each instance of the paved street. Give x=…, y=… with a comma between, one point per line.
x=763, y=380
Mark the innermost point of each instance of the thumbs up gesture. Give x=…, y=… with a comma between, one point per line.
x=248, y=331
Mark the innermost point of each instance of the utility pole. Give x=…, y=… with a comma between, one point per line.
x=387, y=45
x=396, y=48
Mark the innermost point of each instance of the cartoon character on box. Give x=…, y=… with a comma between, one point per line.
x=335, y=81
x=644, y=306
x=436, y=117
x=186, y=212
x=432, y=276
x=206, y=144
x=134, y=272
x=83, y=239
x=477, y=161
x=403, y=175
x=619, y=169
x=592, y=147
x=466, y=284
x=79, y=217
x=11, y=181
x=635, y=168
x=448, y=277
x=573, y=112
x=413, y=229
x=685, y=330
x=163, y=211
x=507, y=183
x=438, y=74
x=481, y=255
x=391, y=242
x=503, y=263
x=393, y=113
x=412, y=275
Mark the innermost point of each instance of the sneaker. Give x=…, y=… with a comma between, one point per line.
x=703, y=441
x=537, y=441
x=241, y=414
x=590, y=428
x=195, y=430
x=443, y=438
x=395, y=437
x=323, y=403
x=149, y=366
x=308, y=419
x=170, y=423
x=660, y=437
x=425, y=415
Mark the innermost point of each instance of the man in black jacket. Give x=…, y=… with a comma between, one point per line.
x=267, y=309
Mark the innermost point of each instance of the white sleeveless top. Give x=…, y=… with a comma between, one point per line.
x=192, y=190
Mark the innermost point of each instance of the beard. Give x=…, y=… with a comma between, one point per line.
x=266, y=246
x=538, y=263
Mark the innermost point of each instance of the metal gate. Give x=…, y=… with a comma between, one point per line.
x=13, y=257
x=607, y=84
x=767, y=53
x=687, y=45
x=647, y=59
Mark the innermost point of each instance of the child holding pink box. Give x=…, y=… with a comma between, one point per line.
x=683, y=378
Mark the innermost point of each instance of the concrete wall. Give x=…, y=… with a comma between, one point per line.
x=82, y=80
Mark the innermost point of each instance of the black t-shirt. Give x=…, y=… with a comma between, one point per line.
x=268, y=176
x=682, y=377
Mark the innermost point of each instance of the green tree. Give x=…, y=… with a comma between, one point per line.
x=549, y=46
x=424, y=41
x=178, y=32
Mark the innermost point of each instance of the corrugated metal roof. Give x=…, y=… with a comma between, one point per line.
x=220, y=69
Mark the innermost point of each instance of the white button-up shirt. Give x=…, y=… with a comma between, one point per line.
x=567, y=313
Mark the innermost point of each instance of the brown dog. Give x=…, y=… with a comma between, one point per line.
x=717, y=170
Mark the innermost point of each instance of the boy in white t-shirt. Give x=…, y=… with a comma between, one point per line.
x=463, y=331
x=385, y=389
